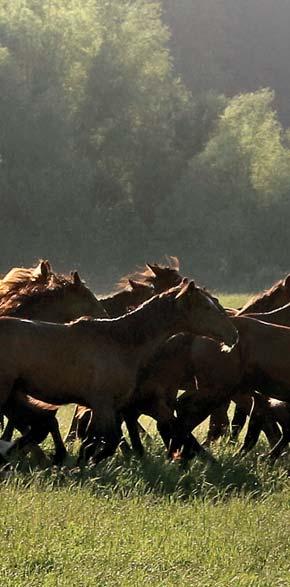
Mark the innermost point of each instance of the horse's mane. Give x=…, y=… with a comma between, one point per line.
x=24, y=285
x=263, y=295
x=146, y=274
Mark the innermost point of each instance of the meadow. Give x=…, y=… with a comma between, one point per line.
x=129, y=523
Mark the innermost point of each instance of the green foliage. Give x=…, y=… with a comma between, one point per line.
x=106, y=155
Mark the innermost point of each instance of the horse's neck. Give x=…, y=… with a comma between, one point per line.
x=266, y=303
x=41, y=310
x=260, y=343
x=279, y=316
x=148, y=326
x=116, y=304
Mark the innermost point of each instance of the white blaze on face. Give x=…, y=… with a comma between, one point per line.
x=225, y=348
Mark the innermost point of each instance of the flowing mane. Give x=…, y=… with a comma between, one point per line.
x=21, y=286
x=260, y=301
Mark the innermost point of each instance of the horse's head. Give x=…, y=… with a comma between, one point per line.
x=78, y=300
x=163, y=277
x=275, y=297
x=138, y=293
x=204, y=315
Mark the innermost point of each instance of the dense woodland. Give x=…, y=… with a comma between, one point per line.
x=132, y=129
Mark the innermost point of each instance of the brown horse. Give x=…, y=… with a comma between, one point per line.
x=132, y=294
x=169, y=370
x=40, y=293
x=265, y=415
x=152, y=279
x=96, y=362
x=128, y=298
x=160, y=277
x=35, y=420
x=275, y=297
x=260, y=361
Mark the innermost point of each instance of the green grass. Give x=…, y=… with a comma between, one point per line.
x=128, y=523
x=132, y=523
x=233, y=300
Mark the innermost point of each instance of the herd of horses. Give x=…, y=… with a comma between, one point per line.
x=132, y=353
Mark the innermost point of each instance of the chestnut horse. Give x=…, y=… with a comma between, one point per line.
x=96, y=362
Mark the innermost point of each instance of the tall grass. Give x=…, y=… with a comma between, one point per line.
x=136, y=523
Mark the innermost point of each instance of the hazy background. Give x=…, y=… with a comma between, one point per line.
x=132, y=129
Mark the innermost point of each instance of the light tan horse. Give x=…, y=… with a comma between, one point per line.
x=95, y=362
x=41, y=294
x=38, y=293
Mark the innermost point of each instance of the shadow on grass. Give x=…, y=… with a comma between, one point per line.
x=152, y=475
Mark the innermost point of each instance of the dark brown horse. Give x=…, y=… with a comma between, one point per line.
x=120, y=302
x=152, y=279
x=97, y=361
x=160, y=277
x=275, y=297
x=126, y=299
x=265, y=415
x=260, y=361
x=35, y=420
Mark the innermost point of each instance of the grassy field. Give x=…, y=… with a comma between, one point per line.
x=130, y=523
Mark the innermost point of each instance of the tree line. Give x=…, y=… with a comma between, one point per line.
x=109, y=156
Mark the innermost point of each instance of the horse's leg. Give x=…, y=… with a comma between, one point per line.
x=179, y=443
x=187, y=446
x=272, y=432
x=244, y=402
x=238, y=421
x=8, y=431
x=112, y=436
x=284, y=440
x=132, y=424
x=105, y=426
x=60, y=450
x=252, y=436
x=218, y=423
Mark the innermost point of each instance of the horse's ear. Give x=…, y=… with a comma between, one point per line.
x=156, y=270
x=40, y=270
x=187, y=288
x=48, y=266
x=287, y=282
x=136, y=284
x=76, y=278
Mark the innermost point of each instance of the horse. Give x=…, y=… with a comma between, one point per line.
x=40, y=293
x=146, y=281
x=169, y=370
x=129, y=295
x=270, y=299
x=95, y=362
x=259, y=361
x=160, y=277
x=265, y=415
